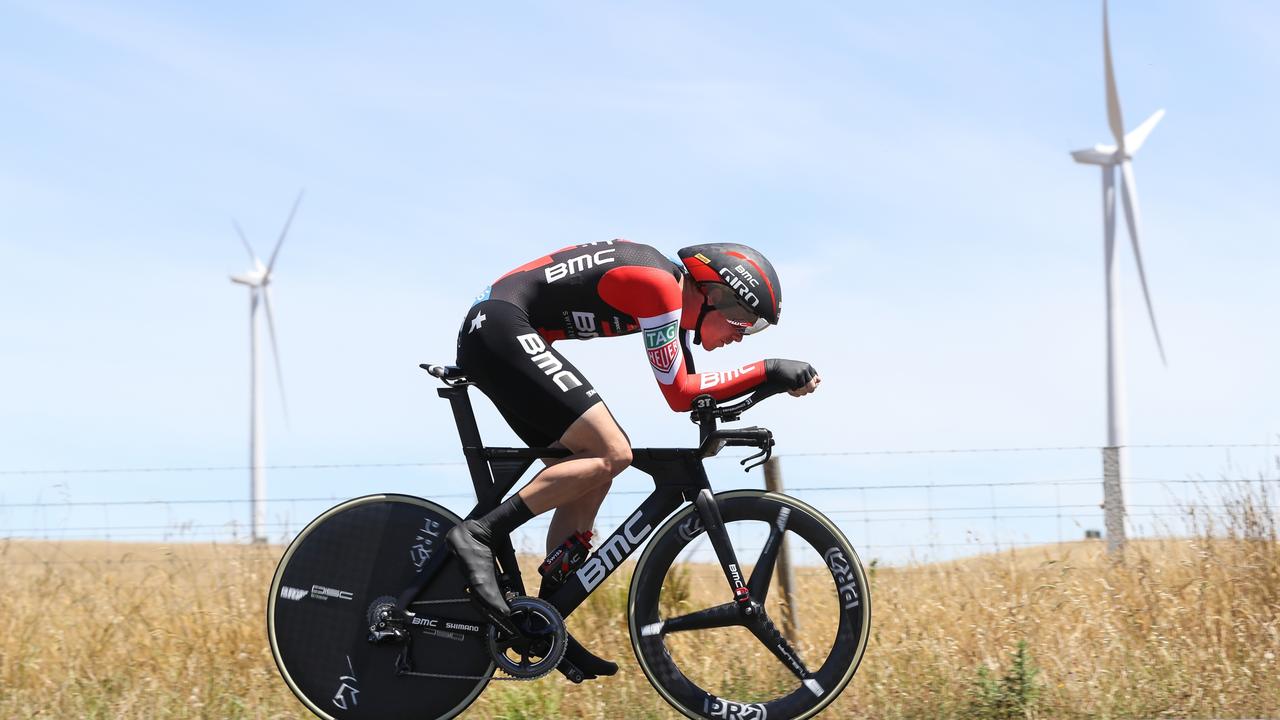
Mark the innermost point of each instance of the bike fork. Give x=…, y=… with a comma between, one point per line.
x=752, y=613
x=709, y=511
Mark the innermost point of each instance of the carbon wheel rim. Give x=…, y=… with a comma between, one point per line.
x=661, y=664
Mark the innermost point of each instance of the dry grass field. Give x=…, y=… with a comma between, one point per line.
x=1182, y=628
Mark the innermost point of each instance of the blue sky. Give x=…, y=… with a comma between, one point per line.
x=905, y=166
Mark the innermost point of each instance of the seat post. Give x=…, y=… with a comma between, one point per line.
x=463, y=415
x=472, y=446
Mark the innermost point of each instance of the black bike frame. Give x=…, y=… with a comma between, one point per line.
x=678, y=477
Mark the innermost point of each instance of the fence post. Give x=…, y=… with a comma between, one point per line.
x=1113, y=501
x=790, y=624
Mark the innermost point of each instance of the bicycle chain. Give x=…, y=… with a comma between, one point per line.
x=443, y=676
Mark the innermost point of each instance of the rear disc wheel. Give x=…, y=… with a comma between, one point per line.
x=357, y=556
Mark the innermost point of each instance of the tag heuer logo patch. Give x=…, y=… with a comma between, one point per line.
x=661, y=344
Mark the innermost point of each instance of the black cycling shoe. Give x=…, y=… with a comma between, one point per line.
x=469, y=545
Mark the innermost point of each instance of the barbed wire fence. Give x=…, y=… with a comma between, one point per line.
x=899, y=522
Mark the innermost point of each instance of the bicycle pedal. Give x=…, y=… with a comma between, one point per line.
x=571, y=671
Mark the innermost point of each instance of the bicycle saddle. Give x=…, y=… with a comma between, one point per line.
x=451, y=374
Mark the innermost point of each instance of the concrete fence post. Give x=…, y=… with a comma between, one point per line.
x=1113, y=500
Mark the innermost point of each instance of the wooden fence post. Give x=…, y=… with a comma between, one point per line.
x=790, y=623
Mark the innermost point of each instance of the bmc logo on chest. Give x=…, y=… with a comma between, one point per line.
x=573, y=265
x=537, y=351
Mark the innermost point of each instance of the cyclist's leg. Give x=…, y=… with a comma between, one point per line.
x=575, y=516
x=544, y=398
x=579, y=514
x=601, y=451
x=578, y=483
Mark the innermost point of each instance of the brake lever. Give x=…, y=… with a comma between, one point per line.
x=766, y=453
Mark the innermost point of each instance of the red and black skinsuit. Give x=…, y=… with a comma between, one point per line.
x=582, y=292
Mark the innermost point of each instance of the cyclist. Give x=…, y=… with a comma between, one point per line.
x=716, y=295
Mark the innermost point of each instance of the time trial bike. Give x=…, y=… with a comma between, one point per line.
x=370, y=614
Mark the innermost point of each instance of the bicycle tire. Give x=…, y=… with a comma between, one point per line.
x=350, y=556
x=804, y=523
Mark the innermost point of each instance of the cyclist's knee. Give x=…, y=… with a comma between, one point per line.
x=611, y=461
x=617, y=457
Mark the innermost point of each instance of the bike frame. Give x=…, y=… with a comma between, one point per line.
x=678, y=477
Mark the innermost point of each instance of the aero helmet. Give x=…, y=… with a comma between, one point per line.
x=736, y=280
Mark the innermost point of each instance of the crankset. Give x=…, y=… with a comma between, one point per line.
x=540, y=644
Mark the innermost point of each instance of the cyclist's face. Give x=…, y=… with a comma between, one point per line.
x=718, y=331
x=733, y=307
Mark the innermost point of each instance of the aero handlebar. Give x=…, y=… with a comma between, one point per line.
x=706, y=412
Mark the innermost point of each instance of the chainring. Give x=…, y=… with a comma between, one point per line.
x=541, y=643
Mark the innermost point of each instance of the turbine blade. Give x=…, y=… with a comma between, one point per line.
x=1093, y=156
x=1129, y=192
x=245, y=240
x=272, y=262
x=1134, y=139
x=1114, y=117
x=275, y=351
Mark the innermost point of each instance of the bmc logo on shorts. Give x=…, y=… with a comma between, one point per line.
x=661, y=344
x=537, y=351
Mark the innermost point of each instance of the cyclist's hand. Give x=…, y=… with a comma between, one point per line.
x=808, y=387
x=796, y=377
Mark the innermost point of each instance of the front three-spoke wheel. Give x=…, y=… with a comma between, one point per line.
x=712, y=654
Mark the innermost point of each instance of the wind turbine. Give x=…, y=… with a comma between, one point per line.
x=1109, y=157
x=258, y=280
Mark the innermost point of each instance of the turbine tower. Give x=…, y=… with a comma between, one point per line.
x=1108, y=158
x=258, y=280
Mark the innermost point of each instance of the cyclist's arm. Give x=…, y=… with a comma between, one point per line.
x=653, y=297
